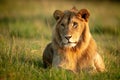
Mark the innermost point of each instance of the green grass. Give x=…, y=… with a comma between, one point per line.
x=26, y=28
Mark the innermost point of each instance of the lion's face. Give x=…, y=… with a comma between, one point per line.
x=70, y=25
x=70, y=30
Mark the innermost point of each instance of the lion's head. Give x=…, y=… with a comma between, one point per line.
x=70, y=26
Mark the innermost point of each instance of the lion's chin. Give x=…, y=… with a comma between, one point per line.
x=73, y=44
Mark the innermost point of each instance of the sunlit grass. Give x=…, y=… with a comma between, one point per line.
x=26, y=28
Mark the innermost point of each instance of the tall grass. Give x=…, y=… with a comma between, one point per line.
x=26, y=28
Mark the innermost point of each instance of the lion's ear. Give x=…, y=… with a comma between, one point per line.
x=84, y=14
x=58, y=14
x=74, y=8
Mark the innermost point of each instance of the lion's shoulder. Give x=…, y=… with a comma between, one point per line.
x=48, y=55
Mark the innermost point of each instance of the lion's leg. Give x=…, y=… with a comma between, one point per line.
x=48, y=56
x=98, y=63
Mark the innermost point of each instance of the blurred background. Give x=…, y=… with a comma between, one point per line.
x=26, y=28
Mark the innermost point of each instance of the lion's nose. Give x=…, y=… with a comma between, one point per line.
x=68, y=37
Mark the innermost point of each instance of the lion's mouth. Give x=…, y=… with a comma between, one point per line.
x=70, y=44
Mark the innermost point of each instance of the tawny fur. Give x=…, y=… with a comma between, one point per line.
x=81, y=57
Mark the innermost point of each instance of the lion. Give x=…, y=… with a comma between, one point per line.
x=72, y=47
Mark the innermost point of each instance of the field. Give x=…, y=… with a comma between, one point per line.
x=26, y=28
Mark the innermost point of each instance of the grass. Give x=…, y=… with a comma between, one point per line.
x=26, y=28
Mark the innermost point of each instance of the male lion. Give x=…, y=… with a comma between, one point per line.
x=73, y=47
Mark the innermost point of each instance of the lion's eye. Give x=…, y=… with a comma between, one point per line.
x=62, y=25
x=75, y=24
